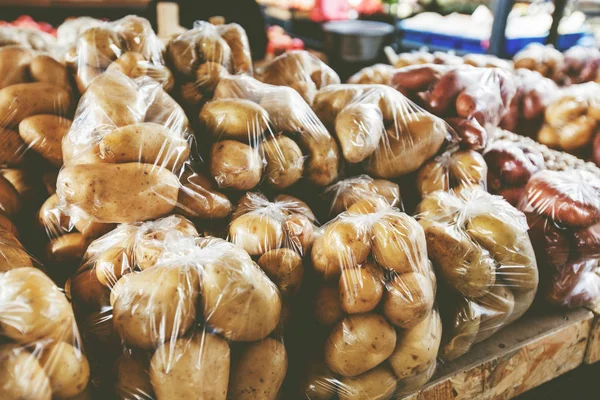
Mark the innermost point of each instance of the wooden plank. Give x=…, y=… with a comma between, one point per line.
x=592, y=354
x=524, y=355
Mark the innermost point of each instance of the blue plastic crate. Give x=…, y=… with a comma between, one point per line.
x=567, y=41
x=513, y=46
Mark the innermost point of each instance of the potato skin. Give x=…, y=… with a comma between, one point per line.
x=285, y=161
x=235, y=119
x=190, y=368
x=133, y=376
x=256, y=233
x=128, y=192
x=358, y=128
x=67, y=368
x=284, y=267
x=343, y=244
x=12, y=253
x=328, y=307
x=44, y=68
x=359, y=343
x=361, y=288
x=198, y=199
x=9, y=197
x=376, y=384
x=258, y=372
x=23, y=100
x=44, y=133
x=22, y=375
x=408, y=299
x=236, y=165
x=462, y=320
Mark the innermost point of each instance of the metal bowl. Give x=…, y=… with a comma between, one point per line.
x=356, y=40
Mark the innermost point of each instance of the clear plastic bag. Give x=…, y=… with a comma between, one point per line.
x=41, y=354
x=378, y=74
x=202, y=56
x=128, y=45
x=526, y=112
x=484, y=261
x=343, y=194
x=571, y=121
x=301, y=71
x=180, y=315
x=261, y=132
x=563, y=211
x=375, y=302
x=487, y=61
x=582, y=64
x=130, y=156
x=67, y=33
x=472, y=100
x=31, y=38
x=544, y=59
x=424, y=57
x=379, y=130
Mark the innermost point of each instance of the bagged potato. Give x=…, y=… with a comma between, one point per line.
x=128, y=45
x=378, y=74
x=195, y=317
x=563, y=211
x=472, y=100
x=582, y=64
x=41, y=353
x=130, y=156
x=374, y=302
x=484, y=261
x=202, y=56
x=571, y=121
x=259, y=132
x=379, y=130
x=301, y=71
x=544, y=59
x=487, y=61
x=424, y=57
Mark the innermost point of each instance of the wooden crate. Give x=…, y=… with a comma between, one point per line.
x=592, y=354
x=526, y=354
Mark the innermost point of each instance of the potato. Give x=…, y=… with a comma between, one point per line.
x=133, y=376
x=209, y=74
x=99, y=46
x=417, y=347
x=51, y=219
x=7, y=225
x=148, y=143
x=22, y=375
x=12, y=253
x=126, y=192
x=237, y=119
x=469, y=167
x=239, y=301
x=328, y=307
x=151, y=306
x=369, y=205
x=66, y=250
x=236, y=165
x=13, y=148
x=284, y=267
x=389, y=190
x=43, y=133
x=27, y=184
x=462, y=320
x=399, y=243
x=345, y=244
x=164, y=110
x=407, y=146
x=112, y=264
x=14, y=65
x=23, y=100
x=91, y=229
x=329, y=102
x=236, y=39
x=299, y=232
x=463, y=264
x=48, y=314
x=256, y=233
x=214, y=48
x=441, y=206
x=495, y=307
x=44, y=68
x=432, y=176
x=131, y=64
x=285, y=161
x=259, y=371
x=376, y=384
x=322, y=165
x=183, y=57
x=361, y=288
x=320, y=382
x=198, y=199
x=10, y=203
x=192, y=95
x=359, y=128
x=359, y=343
x=86, y=291
x=66, y=367
x=408, y=299
x=190, y=368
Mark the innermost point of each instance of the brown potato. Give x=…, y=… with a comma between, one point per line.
x=7, y=225
x=235, y=165
x=285, y=161
x=183, y=57
x=22, y=375
x=66, y=367
x=258, y=372
x=469, y=167
x=378, y=383
x=433, y=176
x=361, y=288
x=10, y=203
x=14, y=65
x=343, y=244
x=319, y=382
x=36, y=98
x=256, y=233
x=13, y=148
x=323, y=162
x=12, y=253
x=328, y=307
x=462, y=319
x=299, y=232
x=209, y=74
x=408, y=299
x=198, y=199
x=196, y=367
x=237, y=119
x=495, y=307
x=284, y=267
x=330, y=101
x=99, y=46
x=359, y=128
x=112, y=264
x=44, y=68
x=131, y=64
x=133, y=376
x=51, y=219
x=44, y=133
x=86, y=291
x=359, y=343
x=67, y=250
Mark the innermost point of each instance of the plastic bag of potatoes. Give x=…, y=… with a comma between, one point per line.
x=563, y=211
x=378, y=74
x=374, y=303
x=582, y=64
x=262, y=132
x=379, y=130
x=472, y=100
x=130, y=156
x=200, y=57
x=128, y=45
x=526, y=111
x=41, y=356
x=424, y=57
x=301, y=71
x=484, y=261
x=571, y=121
x=31, y=38
x=544, y=59
x=192, y=316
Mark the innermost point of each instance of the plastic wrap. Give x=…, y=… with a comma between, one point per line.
x=484, y=261
x=41, y=355
x=202, y=56
x=376, y=304
x=378, y=129
x=487, y=61
x=130, y=156
x=259, y=132
x=472, y=100
x=378, y=74
x=544, y=59
x=31, y=38
x=343, y=194
x=128, y=45
x=563, y=211
x=301, y=71
x=582, y=64
x=526, y=112
x=67, y=33
x=424, y=57
x=178, y=315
